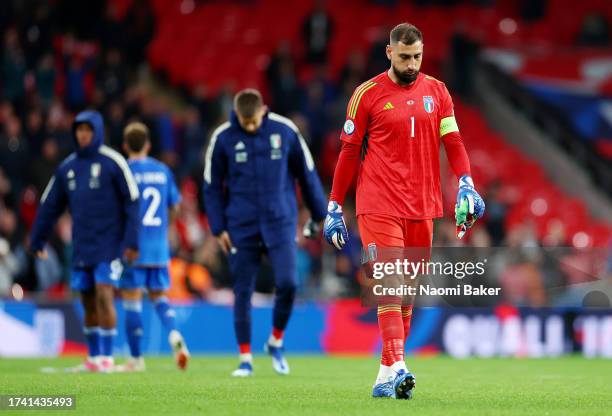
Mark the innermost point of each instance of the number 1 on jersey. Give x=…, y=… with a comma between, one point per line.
x=412, y=126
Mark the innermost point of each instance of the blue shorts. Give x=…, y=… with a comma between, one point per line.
x=151, y=278
x=106, y=273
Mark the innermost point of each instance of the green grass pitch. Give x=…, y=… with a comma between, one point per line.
x=324, y=386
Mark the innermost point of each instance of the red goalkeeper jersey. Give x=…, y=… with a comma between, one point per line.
x=399, y=129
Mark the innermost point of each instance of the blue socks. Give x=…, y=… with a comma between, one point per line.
x=166, y=313
x=133, y=326
x=106, y=341
x=92, y=334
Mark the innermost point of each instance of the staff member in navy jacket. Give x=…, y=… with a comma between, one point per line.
x=97, y=186
x=252, y=164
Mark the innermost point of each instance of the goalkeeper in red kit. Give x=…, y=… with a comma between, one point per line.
x=394, y=125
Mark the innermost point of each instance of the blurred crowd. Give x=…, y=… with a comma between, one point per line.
x=56, y=62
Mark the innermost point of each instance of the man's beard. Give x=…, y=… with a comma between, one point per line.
x=405, y=77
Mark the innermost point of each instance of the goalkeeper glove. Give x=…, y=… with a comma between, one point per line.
x=469, y=206
x=334, y=228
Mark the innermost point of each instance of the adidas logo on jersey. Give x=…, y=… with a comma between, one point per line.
x=239, y=146
x=388, y=106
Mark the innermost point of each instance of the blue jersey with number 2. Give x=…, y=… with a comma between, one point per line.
x=158, y=193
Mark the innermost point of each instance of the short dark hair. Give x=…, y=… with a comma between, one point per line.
x=136, y=135
x=247, y=102
x=405, y=33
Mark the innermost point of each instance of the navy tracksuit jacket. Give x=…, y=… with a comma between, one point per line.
x=249, y=191
x=97, y=186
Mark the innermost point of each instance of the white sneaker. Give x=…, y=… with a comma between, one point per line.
x=181, y=353
x=279, y=363
x=107, y=364
x=90, y=365
x=132, y=365
x=245, y=369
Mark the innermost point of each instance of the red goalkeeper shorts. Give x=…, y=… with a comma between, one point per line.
x=388, y=231
x=388, y=239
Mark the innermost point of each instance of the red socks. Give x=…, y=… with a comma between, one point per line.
x=406, y=318
x=391, y=327
x=277, y=333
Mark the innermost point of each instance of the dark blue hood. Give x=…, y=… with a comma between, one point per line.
x=94, y=119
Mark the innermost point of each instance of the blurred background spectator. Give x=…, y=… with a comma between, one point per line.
x=595, y=31
x=317, y=29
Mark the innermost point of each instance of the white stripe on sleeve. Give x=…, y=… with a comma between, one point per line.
x=210, y=150
x=125, y=169
x=45, y=194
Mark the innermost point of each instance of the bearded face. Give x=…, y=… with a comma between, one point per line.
x=405, y=60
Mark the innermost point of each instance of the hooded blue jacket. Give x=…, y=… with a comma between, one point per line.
x=249, y=181
x=97, y=186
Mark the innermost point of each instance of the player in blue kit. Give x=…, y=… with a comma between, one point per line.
x=97, y=186
x=159, y=203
